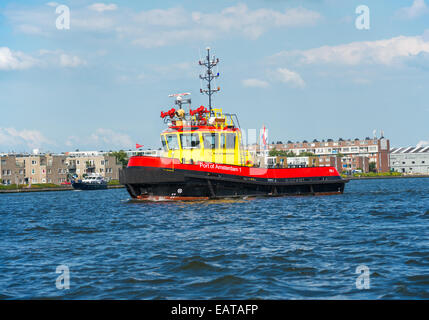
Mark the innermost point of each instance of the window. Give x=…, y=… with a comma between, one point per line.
x=33, y=162
x=164, y=143
x=102, y=162
x=172, y=142
x=190, y=140
x=49, y=171
x=211, y=140
x=227, y=141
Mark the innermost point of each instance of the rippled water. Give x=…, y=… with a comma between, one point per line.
x=278, y=248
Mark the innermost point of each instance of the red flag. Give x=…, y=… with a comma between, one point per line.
x=138, y=146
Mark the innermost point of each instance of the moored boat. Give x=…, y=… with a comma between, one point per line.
x=91, y=182
x=204, y=158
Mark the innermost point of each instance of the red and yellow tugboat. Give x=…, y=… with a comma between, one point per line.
x=204, y=158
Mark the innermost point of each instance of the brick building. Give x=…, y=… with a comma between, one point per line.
x=345, y=155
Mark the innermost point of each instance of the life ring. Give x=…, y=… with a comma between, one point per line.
x=203, y=122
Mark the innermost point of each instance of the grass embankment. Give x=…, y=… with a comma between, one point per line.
x=33, y=186
x=373, y=175
x=113, y=183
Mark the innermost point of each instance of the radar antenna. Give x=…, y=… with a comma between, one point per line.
x=179, y=98
x=209, y=63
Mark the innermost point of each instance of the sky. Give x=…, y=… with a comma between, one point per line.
x=304, y=69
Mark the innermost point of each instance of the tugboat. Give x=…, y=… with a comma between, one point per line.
x=204, y=158
x=93, y=181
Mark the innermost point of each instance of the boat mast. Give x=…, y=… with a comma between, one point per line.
x=209, y=63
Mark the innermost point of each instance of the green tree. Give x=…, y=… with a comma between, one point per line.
x=306, y=154
x=372, y=167
x=281, y=153
x=121, y=157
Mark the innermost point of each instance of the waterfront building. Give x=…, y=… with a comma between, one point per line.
x=81, y=163
x=410, y=160
x=346, y=155
x=11, y=171
x=43, y=168
x=56, y=168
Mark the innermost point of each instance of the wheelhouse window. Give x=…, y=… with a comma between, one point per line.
x=190, y=140
x=227, y=141
x=164, y=143
x=211, y=140
x=172, y=142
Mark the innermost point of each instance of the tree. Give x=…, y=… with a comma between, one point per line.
x=306, y=154
x=281, y=153
x=372, y=167
x=121, y=157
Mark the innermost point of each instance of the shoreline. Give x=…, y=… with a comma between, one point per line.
x=66, y=188
x=70, y=188
x=389, y=177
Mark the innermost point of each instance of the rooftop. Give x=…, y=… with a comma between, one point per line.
x=418, y=149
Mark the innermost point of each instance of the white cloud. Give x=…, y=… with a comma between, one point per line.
x=369, y=52
x=101, y=139
x=417, y=9
x=164, y=38
x=289, y=77
x=70, y=61
x=255, y=83
x=163, y=27
x=110, y=138
x=423, y=143
x=101, y=7
x=15, y=60
x=52, y=4
x=253, y=23
x=171, y=17
x=11, y=137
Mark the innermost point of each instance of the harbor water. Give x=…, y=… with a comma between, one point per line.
x=371, y=242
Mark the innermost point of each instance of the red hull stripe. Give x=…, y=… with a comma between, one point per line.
x=167, y=163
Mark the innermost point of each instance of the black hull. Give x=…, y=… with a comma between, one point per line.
x=88, y=186
x=166, y=184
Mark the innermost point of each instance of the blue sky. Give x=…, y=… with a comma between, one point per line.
x=302, y=68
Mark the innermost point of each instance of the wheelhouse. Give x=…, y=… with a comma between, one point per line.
x=213, y=139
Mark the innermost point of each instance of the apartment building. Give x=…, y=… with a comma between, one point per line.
x=11, y=171
x=80, y=163
x=43, y=168
x=55, y=168
x=347, y=155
